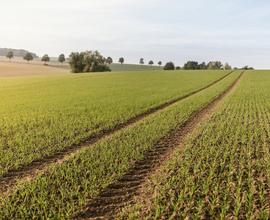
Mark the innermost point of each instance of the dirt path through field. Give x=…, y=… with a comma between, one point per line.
x=28, y=172
x=122, y=192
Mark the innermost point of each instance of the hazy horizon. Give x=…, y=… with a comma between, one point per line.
x=234, y=31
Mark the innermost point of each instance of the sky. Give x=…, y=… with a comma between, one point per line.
x=234, y=31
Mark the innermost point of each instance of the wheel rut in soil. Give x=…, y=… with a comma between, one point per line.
x=122, y=192
x=30, y=171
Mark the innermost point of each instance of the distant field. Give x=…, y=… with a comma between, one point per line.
x=36, y=61
x=132, y=67
x=115, y=67
x=11, y=69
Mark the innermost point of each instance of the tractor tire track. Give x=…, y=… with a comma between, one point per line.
x=28, y=172
x=123, y=192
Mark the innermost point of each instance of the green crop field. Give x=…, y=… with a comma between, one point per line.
x=133, y=67
x=223, y=172
x=134, y=110
x=41, y=116
x=174, y=144
x=84, y=175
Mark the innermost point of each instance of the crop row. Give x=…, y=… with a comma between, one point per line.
x=223, y=171
x=40, y=116
x=67, y=188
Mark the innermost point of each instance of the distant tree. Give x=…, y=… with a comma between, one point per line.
x=121, y=60
x=76, y=62
x=202, y=66
x=159, y=63
x=89, y=61
x=141, y=61
x=247, y=68
x=191, y=65
x=169, y=66
x=151, y=62
x=227, y=66
x=94, y=62
x=219, y=65
x=178, y=68
x=109, y=60
x=61, y=58
x=214, y=65
x=10, y=55
x=45, y=59
x=28, y=57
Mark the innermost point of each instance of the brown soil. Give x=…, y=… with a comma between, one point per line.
x=122, y=192
x=28, y=172
x=16, y=69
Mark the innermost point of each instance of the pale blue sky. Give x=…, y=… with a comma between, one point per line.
x=234, y=31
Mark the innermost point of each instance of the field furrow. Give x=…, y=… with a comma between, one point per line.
x=12, y=176
x=122, y=192
x=65, y=189
x=223, y=172
x=44, y=116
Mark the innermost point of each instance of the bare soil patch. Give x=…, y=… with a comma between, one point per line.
x=14, y=69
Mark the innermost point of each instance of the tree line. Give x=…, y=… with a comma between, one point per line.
x=151, y=62
x=29, y=57
x=93, y=61
x=212, y=65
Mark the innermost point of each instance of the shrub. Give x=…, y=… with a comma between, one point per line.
x=45, y=59
x=28, y=56
x=61, y=58
x=109, y=60
x=101, y=68
x=77, y=62
x=191, y=65
x=89, y=61
x=151, y=62
x=121, y=60
x=10, y=55
x=169, y=66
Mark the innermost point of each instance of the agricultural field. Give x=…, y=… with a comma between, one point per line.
x=64, y=189
x=12, y=69
x=135, y=145
x=109, y=112
x=41, y=116
x=223, y=170
x=133, y=67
